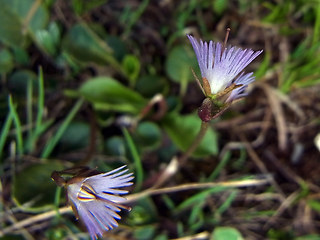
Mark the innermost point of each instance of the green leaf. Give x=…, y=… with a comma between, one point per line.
x=10, y=27
x=143, y=213
x=15, y=19
x=38, y=20
x=20, y=56
x=280, y=234
x=115, y=146
x=145, y=232
x=131, y=66
x=179, y=62
x=84, y=45
x=184, y=129
x=18, y=81
x=107, y=92
x=309, y=237
x=161, y=237
x=219, y=6
x=6, y=61
x=315, y=205
x=34, y=183
x=118, y=46
x=49, y=38
x=76, y=136
x=150, y=85
x=56, y=233
x=223, y=233
x=148, y=135
x=84, y=6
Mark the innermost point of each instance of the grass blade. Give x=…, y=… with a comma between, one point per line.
x=40, y=102
x=29, y=143
x=136, y=158
x=316, y=33
x=221, y=165
x=54, y=140
x=5, y=132
x=17, y=124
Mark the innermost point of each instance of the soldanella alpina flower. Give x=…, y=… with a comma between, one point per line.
x=222, y=78
x=95, y=197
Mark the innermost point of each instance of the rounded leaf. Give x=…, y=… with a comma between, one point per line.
x=179, y=63
x=131, y=65
x=109, y=94
x=84, y=45
x=18, y=81
x=13, y=16
x=219, y=6
x=150, y=85
x=184, y=129
x=6, y=61
x=118, y=46
x=223, y=233
x=115, y=146
x=76, y=136
x=148, y=135
x=34, y=183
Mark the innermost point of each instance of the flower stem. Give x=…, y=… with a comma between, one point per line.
x=195, y=143
x=165, y=175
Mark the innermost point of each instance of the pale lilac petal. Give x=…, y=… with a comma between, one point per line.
x=240, y=92
x=97, y=217
x=107, y=182
x=101, y=185
x=113, y=198
x=221, y=69
x=95, y=202
x=200, y=51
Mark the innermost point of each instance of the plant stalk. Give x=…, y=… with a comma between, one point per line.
x=195, y=143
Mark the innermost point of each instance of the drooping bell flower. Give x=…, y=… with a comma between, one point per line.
x=222, y=79
x=95, y=197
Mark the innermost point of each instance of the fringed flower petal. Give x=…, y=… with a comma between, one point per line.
x=220, y=66
x=95, y=201
x=239, y=92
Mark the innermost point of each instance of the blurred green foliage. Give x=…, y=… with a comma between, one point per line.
x=222, y=233
x=68, y=73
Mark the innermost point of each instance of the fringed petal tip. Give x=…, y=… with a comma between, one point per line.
x=97, y=202
x=98, y=218
x=219, y=65
x=111, y=181
x=244, y=80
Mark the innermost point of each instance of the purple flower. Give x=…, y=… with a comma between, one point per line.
x=96, y=199
x=221, y=68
